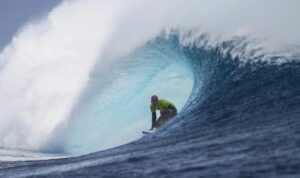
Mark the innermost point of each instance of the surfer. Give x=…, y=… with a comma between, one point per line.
x=167, y=111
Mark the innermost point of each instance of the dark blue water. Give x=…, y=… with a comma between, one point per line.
x=241, y=120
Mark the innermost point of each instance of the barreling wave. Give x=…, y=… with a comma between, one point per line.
x=239, y=113
x=77, y=84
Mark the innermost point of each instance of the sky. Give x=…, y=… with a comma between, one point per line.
x=15, y=13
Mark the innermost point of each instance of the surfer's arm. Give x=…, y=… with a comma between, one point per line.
x=153, y=120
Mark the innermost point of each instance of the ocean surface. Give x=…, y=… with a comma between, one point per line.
x=239, y=112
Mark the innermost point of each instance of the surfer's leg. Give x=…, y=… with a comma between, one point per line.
x=164, y=116
x=172, y=112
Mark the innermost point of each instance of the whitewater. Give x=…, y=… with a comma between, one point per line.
x=75, y=88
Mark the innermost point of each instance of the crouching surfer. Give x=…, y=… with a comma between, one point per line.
x=166, y=108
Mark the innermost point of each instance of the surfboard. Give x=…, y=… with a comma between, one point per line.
x=148, y=132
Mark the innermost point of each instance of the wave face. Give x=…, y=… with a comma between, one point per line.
x=238, y=95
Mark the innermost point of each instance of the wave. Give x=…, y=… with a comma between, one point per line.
x=82, y=87
x=237, y=111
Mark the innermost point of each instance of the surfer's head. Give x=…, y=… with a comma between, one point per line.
x=154, y=100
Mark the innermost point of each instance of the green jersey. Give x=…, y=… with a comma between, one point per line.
x=162, y=104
